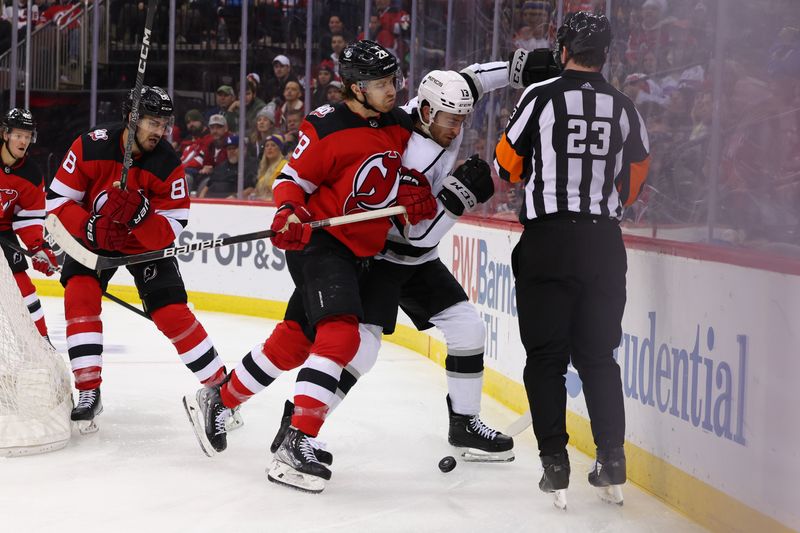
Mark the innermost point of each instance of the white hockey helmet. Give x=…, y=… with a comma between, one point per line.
x=445, y=90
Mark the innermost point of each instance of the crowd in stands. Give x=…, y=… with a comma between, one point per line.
x=662, y=57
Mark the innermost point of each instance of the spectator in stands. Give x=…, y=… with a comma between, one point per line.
x=535, y=27
x=223, y=182
x=652, y=33
x=253, y=104
x=273, y=88
x=292, y=93
x=335, y=92
x=265, y=127
x=374, y=28
x=395, y=24
x=269, y=166
x=701, y=116
x=193, y=146
x=335, y=27
x=224, y=97
x=291, y=125
x=215, y=151
x=338, y=43
x=324, y=78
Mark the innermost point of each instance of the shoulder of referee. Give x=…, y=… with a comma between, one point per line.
x=513, y=147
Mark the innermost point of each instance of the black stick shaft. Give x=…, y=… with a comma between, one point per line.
x=133, y=122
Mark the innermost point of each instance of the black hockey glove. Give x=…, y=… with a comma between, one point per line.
x=471, y=184
x=525, y=68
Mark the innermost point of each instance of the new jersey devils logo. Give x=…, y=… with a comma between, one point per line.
x=375, y=183
x=98, y=135
x=7, y=198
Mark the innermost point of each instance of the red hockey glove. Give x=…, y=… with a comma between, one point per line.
x=289, y=225
x=105, y=234
x=43, y=259
x=414, y=193
x=122, y=206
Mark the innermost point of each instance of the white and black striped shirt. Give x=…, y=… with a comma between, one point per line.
x=579, y=145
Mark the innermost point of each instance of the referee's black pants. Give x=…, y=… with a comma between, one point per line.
x=570, y=282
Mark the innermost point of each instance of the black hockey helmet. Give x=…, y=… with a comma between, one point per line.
x=584, y=32
x=21, y=119
x=366, y=60
x=154, y=101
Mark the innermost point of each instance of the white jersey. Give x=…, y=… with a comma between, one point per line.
x=417, y=244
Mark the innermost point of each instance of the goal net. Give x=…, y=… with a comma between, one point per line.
x=35, y=392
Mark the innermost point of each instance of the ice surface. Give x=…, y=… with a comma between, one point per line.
x=144, y=471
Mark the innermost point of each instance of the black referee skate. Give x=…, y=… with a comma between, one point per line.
x=208, y=416
x=609, y=474
x=555, y=478
x=477, y=442
x=295, y=464
x=322, y=455
x=89, y=406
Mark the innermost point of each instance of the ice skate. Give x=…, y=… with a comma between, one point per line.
x=296, y=466
x=89, y=406
x=208, y=417
x=555, y=478
x=323, y=456
x=609, y=474
x=475, y=441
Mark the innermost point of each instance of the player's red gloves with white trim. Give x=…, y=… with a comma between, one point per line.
x=122, y=206
x=105, y=234
x=414, y=193
x=290, y=226
x=43, y=259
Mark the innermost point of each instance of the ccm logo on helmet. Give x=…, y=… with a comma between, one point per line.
x=375, y=183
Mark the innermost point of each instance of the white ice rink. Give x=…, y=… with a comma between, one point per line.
x=144, y=471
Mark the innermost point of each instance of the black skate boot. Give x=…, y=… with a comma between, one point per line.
x=89, y=406
x=296, y=466
x=609, y=474
x=208, y=416
x=323, y=456
x=555, y=478
x=476, y=441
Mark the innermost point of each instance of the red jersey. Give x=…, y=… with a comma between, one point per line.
x=346, y=164
x=193, y=149
x=22, y=200
x=94, y=163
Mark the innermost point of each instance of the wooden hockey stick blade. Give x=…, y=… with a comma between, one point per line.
x=519, y=425
x=91, y=260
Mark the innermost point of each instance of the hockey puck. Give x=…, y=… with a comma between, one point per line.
x=447, y=464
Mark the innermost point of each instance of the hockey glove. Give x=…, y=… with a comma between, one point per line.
x=471, y=184
x=525, y=68
x=122, y=206
x=104, y=234
x=414, y=193
x=290, y=226
x=43, y=259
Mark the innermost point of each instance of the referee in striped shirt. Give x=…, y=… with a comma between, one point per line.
x=581, y=150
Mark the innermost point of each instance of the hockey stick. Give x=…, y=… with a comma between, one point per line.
x=123, y=303
x=519, y=425
x=127, y=160
x=91, y=260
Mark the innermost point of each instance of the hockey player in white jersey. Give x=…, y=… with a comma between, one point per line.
x=409, y=274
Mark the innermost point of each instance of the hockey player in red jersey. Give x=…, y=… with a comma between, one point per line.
x=22, y=209
x=348, y=159
x=148, y=215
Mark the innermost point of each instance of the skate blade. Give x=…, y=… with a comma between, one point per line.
x=611, y=494
x=474, y=455
x=235, y=421
x=283, y=474
x=193, y=412
x=560, y=499
x=86, y=427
